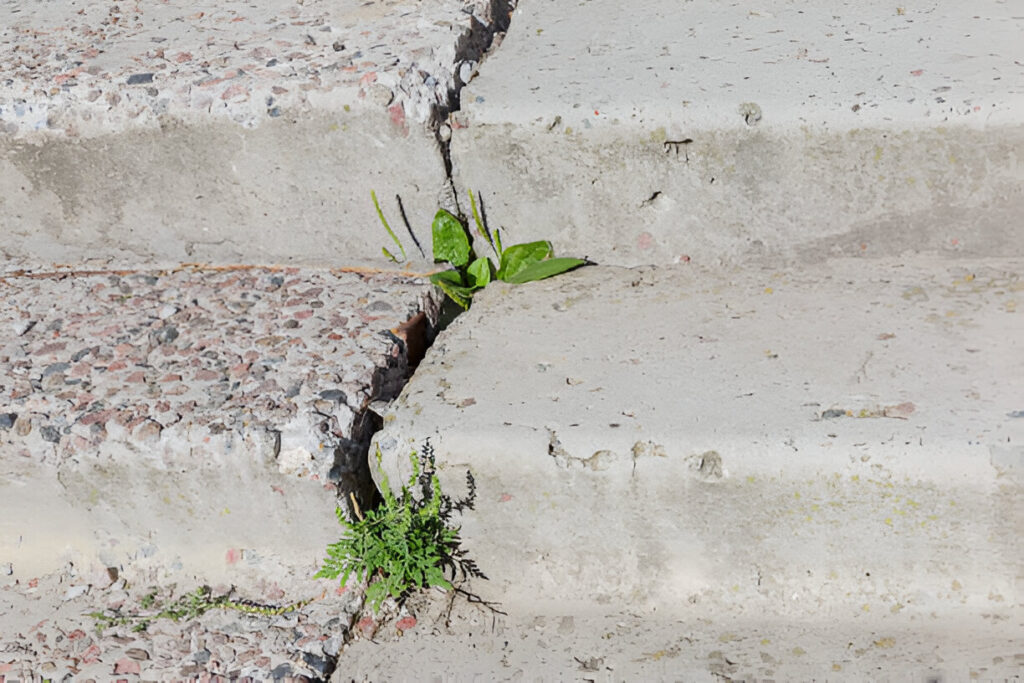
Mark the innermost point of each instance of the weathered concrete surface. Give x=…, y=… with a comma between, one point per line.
x=700, y=645
x=190, y=423
x=225, y=132
x=667, y=131
x=837, y=443
x=288, y=191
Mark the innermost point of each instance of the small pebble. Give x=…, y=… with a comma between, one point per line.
x=167, y=334
x=20, y=327
x=75, y=592
x=49, y=434
x=137, y=653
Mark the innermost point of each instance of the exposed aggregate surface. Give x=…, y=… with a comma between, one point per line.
x=182, y=364
x=116, y=65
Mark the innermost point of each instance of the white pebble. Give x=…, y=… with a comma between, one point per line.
x=466, y=71
x=75, y=591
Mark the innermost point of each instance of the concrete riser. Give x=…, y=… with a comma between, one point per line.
x=658, y=537
x=233, y=525
x=630, y=195
x=288, y=191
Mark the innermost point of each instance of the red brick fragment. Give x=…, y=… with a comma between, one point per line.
x=206, y=375
x=127, y=666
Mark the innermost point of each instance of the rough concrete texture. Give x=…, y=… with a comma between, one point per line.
x=196, y=423
x=672, y=131
x=840, y=443
x=46, y=632
x=456, y=640
x=225, y=132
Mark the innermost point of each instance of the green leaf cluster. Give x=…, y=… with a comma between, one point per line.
x=403, y=544
x=517, y=264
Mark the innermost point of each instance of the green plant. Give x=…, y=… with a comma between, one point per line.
x=190, y=606
x=406, y=542
x=517, y=264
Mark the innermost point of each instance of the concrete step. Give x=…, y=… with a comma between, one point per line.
x=225, y=132
x=840, y=443
x=193, y=425
x=660, y=131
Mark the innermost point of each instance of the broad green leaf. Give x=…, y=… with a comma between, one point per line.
x=450, y=282
x=479, y=273
x=451, y=243
x=518, y=256
x=544, y=269
x=452, y=277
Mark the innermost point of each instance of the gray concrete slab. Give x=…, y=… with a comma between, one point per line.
x=658, y=132
x=194, y=424
x=835, y=444
x=224, y=132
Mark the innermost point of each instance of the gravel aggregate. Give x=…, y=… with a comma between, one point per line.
x=49, y=638
x=180, y=361
x=95, y=66
x=179, y=365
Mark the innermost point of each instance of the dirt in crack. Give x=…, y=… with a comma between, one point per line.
x=351, y=469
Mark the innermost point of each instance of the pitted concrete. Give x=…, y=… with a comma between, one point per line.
x=667, y=131
x=838, y=444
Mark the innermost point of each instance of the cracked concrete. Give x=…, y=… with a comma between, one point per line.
x=664, y=457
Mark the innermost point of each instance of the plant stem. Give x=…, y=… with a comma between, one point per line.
x=380, y=215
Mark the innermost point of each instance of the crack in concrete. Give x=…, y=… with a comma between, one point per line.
x=471, y=51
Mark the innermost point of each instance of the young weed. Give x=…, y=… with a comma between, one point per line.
x=516, y=264
x=407, y=542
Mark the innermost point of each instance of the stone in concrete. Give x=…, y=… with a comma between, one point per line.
x=659, y=132
x=840, y=442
